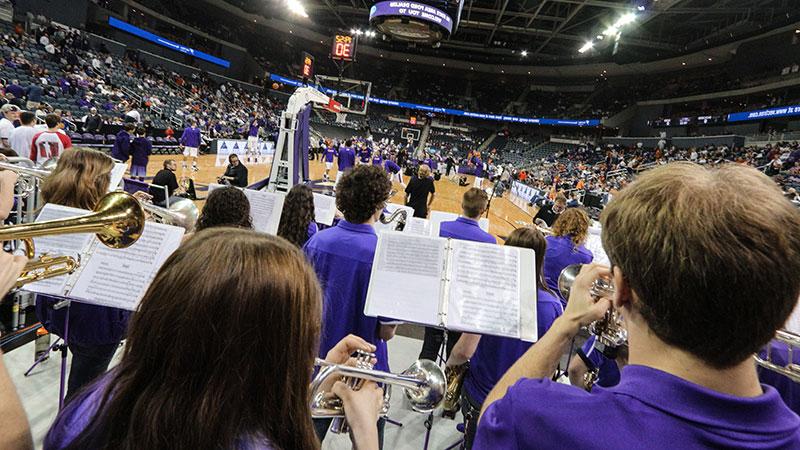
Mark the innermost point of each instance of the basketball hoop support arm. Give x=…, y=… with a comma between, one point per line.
x=283, y=162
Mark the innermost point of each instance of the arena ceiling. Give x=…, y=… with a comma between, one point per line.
x=552, y=31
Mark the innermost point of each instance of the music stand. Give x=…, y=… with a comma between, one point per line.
x=58, y=346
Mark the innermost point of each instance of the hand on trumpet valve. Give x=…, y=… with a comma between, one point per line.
x=10, y=268
x=340, y=353
x=361, y=407
x=586, y=303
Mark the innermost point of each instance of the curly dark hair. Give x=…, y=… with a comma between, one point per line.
x=361, y=192
x=298, y=212
x=225, y=206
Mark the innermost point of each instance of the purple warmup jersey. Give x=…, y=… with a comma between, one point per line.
x=342, y=258
x=329, y=154
x=391, y=167
x=254, y=127
x=365, y=154
x=377, y=160
x=648, y=409
x=495, y=355
x=347, y=159
x=561, y=252
x=478, y=167
x=191, y=137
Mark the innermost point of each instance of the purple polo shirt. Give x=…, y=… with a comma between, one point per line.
x=347, y=159
x=561, y=252
x=78, y=413
x=342, y=258
x=191, y=137
x=391, y=167
x=648, y=409
x=495, y=355
x=312, y=229
x=608, y=374
x=329, y=154
x=466, y=230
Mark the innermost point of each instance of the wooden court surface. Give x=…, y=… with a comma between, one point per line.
x=504, y=216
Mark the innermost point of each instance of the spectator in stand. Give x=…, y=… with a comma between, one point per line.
x=132, y=115
x=140, y=150
x=92, y=122
x=51, y=142
x=169, y=132
x=122, y=144
x=548, y=214
x=167, y=179
x=22, y=137
x=16, y=89
x=33, y=94
x=10, y=114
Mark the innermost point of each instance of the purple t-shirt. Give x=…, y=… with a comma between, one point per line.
x=329, y=154
x=561, y=252
x=377, y=159
x=347, y=159
x=466, y=230
x=342, y=258
x=648, y=409
x=495, y=354
x=255, y=124
x=391, y=167
x=140, y=151
x=478, y=167
x=78, y=413
x=191, y=137
x=364, y=154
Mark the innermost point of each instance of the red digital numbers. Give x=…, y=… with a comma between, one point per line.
x=343, y=48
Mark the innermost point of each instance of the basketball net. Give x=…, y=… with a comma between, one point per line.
x=341, y=117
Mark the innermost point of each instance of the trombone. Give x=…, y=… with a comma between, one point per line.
x=399, y=215
x=117, y=221
x=424, y=384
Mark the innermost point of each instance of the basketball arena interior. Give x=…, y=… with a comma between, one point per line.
x=399, y=224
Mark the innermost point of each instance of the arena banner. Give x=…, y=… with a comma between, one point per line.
x=450, y=111
x=780, y=111
x=225, y=147
x=412, y=10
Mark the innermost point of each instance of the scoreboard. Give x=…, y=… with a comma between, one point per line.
x=308, y=66
x=343, y=48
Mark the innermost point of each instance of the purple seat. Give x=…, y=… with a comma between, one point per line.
x=150, y=138
x=99, y=138
x=160, y=140
x=88, y=138
x=111, y=138
x=133, y=186
x=76, y=138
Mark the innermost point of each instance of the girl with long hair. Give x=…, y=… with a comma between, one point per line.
x=226, y=206
x=491, y=356
x=203, y=371
x=566, y=245
x=80, y=179
x=297, y=219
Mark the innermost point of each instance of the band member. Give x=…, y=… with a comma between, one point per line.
x=149, y=401
x=566, y=245
x=190, y=142
x=15, y=431
x=79, y=180
x=420, y=192
x=121, y=149
x=548, y=214
x=329, y=152
x=347, y=160
x=51, y=142
x=225, y=207
x=342, y=257
x=491, y=356
x=236, y=172
x=473, y=205
x=688, y=265
x=394, y=171
x=476, y=160
x=297, y=219
x=141, y=148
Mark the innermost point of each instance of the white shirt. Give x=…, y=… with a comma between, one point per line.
x=21, y=139
x=134, y=114
x=6, y=127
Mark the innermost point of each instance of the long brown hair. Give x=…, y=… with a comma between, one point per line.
x=298, y=212
x=79, y=180
x=221, y=350
x=533, y=239
x=225, y=207
x=574, y=222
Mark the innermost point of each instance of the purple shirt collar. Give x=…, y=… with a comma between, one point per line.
x=357, y=227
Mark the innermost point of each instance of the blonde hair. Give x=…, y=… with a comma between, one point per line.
x=424, y=171
x=79, y=180
x=574, y=222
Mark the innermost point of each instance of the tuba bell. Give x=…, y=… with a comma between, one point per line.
x=181, y=213
x=117, y=221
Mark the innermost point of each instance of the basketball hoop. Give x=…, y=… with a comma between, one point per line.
x=334, y=106
x=341, y=117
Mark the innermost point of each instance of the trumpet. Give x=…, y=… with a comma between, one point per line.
x=28, y=176
x=400, y=215
x=181, y=213
x=424, y=384
x=609, y=331
x=117, y=221
x=790, y=368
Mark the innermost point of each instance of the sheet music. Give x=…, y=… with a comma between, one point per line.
x=406, y=279
x=418, y=226
x=324, y=209
x=120, y=277
x=437, y=217
x=64, y=244
x=116, y=176
x=595, y=244
x=485, y=289
x=265, y=208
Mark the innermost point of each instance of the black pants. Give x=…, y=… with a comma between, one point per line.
x=88, y=362
x=448, y=170
x=433, y=342
x=472, y=412
x=321, y=426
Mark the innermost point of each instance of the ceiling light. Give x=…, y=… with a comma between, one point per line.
x=352, y=31
x=586, y=47
x=600, y=37
x=296, y=7
x=640, y=7
x=626, y=19
x=683, y=63
x=710, y=59
x=611, y=31
x=524, y=53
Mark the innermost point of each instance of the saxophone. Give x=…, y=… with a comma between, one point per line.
x=455, y=381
